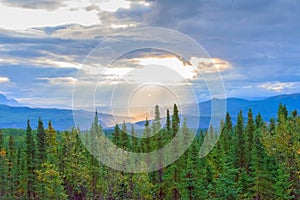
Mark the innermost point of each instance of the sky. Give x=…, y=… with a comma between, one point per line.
x=45, y=45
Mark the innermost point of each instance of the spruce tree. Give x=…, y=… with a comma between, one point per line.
x=30, y=162
x=51, y=143
x=168, y=122
x=240, y=149
x=175, y=120
x=3, y=169
x=249, y=132
x=41, y=141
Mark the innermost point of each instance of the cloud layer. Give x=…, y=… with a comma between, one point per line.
x=35, y=4
x=254, y=44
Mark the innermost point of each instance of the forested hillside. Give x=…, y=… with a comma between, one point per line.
x=252, y=159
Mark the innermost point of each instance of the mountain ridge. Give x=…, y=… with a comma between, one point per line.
x=15, y=115
x=6, y=101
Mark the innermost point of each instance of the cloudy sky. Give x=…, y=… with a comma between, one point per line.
x=254, y=44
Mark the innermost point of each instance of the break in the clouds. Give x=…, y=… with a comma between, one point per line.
x=254, y=45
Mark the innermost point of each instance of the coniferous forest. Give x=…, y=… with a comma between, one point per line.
x=253, y=159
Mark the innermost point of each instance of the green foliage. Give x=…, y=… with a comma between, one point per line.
x=256, y=160
x=41, y=140
x=50, y=183
x=30, y=162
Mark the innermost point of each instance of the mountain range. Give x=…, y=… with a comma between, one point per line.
x=6, y=101
x=14, y=115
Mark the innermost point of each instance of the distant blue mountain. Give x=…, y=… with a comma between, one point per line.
x=6, y=101
x=267, y=107
x=14, y=116
x=62, y=119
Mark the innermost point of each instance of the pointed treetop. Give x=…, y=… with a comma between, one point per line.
x=147, y=122
x=28, y=126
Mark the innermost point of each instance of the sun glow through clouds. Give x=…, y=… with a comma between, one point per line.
x=186, y=71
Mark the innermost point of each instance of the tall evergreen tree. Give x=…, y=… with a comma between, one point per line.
x=146, y=142
x=259, y=165
x=156, y=122
x=175, y=120
x=124, y=138
x=3, y=169
x=116, y=135
x=30, y=161
x=52, y=143
x=168, y=122
x=240, y=149
x=249, y=133
x=12, y=170
x=172, y=174
x=41, y=141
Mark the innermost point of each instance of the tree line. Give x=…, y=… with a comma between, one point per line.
x=252, y=159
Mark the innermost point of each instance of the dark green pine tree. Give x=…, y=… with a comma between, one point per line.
x=172, y=174
x=41, y=142
x=260, y=173
x=30, y=162
x=3, y=169
x=249, y=132
x=12, y=170
x=124, y=139
x=52, y=144
x=49, y=180
x=225, y=172
x=95, y=132
x=203, y=184
x=168, y=122
x=188, y=184
x=226, y=135
x=175, y=120
x=21, y=173
x=156, y=122
x=168, y=127
x=282, y=188
x=243, y=178
x=146, y=142
x=116, y=135
x=240, y=148
x=134, y=140
x=259, y=121
x=156, y=177
x=282, y=113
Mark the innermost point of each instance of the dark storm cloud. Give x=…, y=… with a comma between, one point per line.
x=261, y=38
x=229, y=20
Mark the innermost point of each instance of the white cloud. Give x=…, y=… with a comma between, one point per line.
x=4, y=79
x=277, y=86
x=76, y=31
x=20, y=18
x=210, y=65
x=27, y=14
x=114, y=5
x=92, y=7
x=35, y=4
x=173, y=63
x=60, y=80
x=122, y=26
x=117, y=71
x=54, y=63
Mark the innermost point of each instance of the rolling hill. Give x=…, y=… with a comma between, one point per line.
x=12, y=115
